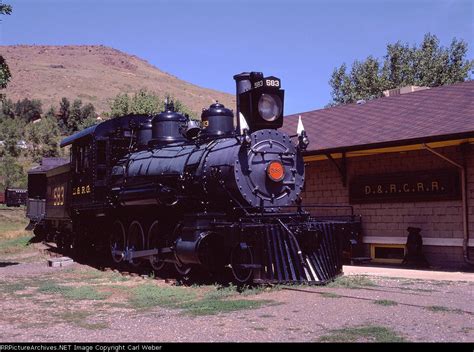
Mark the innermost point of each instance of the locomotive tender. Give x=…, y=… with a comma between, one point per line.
x=161, y=190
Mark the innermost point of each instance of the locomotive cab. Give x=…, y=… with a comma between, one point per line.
x=95, y=150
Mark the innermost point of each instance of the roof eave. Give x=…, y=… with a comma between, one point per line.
x=388, y=144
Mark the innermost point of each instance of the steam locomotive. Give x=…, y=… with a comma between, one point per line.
x=165, y=192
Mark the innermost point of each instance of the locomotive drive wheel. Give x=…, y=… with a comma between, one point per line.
x=136, y=240
x=241, y=254
x=156, y=239
x=117, y=241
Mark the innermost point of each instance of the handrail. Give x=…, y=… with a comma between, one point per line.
x=300, y=206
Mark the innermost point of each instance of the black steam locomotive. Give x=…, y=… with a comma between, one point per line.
x=161, y=190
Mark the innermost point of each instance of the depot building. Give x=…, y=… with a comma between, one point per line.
x=403, y=160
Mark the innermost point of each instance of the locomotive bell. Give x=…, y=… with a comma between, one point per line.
x=167, y=126
x=260, y=100
x=192, y=129
x=217, y=121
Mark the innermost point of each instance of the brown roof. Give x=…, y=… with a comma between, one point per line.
x=429, y=115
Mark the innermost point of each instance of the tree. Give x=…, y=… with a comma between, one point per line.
x=5, y=9
x=64, y=113
x=75, y=117
x=142, y=102
x=11, y=173
x=79, y=114
x=428, y=65
x=88, y=122
x=120, y=105
x=5, y=74
x=146, y=103
x=7, y=109
x=11, y=132
x=28, y=110
x=44, y=136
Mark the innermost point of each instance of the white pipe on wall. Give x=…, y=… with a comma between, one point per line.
x=464, y=203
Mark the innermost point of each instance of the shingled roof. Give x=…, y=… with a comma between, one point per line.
x=436, y=114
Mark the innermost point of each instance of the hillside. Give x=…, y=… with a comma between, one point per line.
x=94, y=74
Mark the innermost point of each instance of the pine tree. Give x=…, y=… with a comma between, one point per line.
x=64, y=113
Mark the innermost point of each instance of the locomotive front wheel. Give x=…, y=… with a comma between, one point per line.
x=187, y=273
x=156, y=239
x=117, y=241
x=136, y=240
x=241, y=255
x=184, y=270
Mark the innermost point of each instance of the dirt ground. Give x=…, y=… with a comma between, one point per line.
x=79, y=303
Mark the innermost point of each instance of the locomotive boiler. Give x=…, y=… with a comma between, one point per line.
x=165, y=192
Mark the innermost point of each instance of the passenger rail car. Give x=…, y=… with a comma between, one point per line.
x=15, y=197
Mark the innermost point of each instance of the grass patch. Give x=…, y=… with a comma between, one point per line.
x=355, y=282
x=149, y=296
x=266, y=316
x=79, y=318
x=222, y=292
x=442, y=309
x=259, y=328
x=407, y=283
x=385, y=302
x=424, y=290
x=71, y=292
x=330, y=295
x=211, y=307
x=117, y=277
x=185, y=298
x=85, y=293
x=440, y=283
x=117, y=305
x=369, y=333
x=12, y=225
x=257, y=290
x=14, y=245
x=11, y=288
x=293, y=329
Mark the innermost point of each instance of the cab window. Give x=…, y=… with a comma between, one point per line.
x=82, y=160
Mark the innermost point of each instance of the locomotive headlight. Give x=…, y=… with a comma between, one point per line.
x=269, y=107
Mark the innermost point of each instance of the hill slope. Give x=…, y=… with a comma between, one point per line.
x=94, y=74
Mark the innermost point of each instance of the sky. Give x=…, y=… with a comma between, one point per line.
x=206, y=42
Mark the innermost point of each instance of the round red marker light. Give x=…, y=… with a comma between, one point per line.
x=276, y=171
